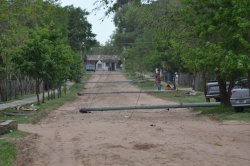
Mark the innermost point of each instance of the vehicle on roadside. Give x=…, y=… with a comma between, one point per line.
x=212, y=90
x=90, y=67
x=240, y=95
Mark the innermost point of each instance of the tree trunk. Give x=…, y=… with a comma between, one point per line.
x=25, y=86
x=59, y=90
x=16, y=89
x=43, y=91
x=48, y=94
x=10, y=89
x=248, y=75
x=224, y=94
x=6, y=90
x=37, y=90
x=204, y=81
x=54, y=93
x=1, y=91
x=65, y=88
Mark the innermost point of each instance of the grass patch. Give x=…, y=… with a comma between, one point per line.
x=7, y=153
x=180, y=96
x=19, y=119
x=225, y=113
x=7, y=147
x=15, y=134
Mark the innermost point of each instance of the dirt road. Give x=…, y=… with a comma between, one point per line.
x=176, y=137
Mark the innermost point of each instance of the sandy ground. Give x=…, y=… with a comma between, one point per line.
x=133, y=137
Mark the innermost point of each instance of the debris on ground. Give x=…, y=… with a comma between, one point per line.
x=191, y=93
x=31, y=107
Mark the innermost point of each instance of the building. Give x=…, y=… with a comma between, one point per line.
x=104, y=62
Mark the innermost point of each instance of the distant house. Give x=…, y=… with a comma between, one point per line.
x=104, y=62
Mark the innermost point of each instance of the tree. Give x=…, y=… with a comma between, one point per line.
x=79, y=30
x=221, y=29
x=45, y=57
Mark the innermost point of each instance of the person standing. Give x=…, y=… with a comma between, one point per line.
x=176, y=80
x=158, y=79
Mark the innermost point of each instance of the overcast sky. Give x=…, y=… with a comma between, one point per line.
x=102, y=29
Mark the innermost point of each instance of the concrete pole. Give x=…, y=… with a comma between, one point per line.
x=166, y=106
x=117, y=92
x=121, y=81
x=106, y=73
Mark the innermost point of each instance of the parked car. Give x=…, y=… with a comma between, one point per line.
x=212, y=90
x=90, y=67
x=240, y=95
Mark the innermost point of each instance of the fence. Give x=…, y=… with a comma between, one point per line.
x=14, y=88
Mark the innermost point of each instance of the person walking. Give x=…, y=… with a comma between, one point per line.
x=158, y=79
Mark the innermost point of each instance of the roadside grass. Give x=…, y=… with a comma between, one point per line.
x=7, y=147
x=7, y=153
x=44, y=108
x=174, y=95
x=15, y=134
x=181, y=96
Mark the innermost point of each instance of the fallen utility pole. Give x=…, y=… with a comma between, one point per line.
x=118, y=92
x=122, y=81
x=166, y=106
x=106, y=73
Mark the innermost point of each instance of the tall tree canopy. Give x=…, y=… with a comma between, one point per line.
x=37, y=36
x=79, y=30
x=212, y=37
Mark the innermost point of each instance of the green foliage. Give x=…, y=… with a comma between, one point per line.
x=222, y=36
x=194, y=36
x=149, y=32
x=46, y=56
x=79, y=30
x=220, y=41
x=37, y=38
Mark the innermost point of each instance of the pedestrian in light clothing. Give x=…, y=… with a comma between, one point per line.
x=158, y=80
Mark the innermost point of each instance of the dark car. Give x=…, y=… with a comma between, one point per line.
x=212, y=90
x=90, y=67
